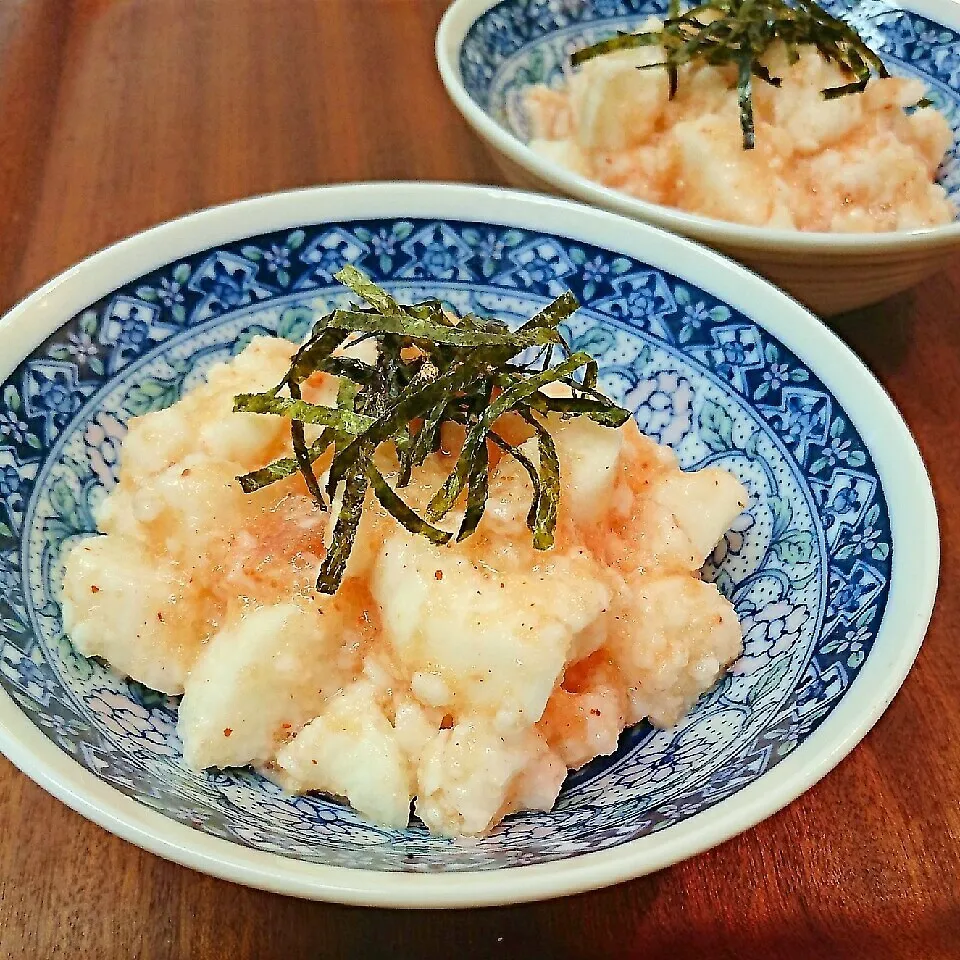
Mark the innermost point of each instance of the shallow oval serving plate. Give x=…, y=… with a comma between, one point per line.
x=833, y=570
x=490, y=51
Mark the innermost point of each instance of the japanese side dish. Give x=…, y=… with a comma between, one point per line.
x=761, y=112
x=403, y=566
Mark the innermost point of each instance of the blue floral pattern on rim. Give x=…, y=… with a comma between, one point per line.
x=808, y=566
x=517, y=43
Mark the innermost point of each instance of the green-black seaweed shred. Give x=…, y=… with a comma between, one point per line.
x=432, y=368
x=740, y=32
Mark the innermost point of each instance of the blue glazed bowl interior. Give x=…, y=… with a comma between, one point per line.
x=808, y=566
x=518, y=43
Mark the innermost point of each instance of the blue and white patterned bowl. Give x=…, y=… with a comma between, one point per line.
x=833, y=570
x=489, y=51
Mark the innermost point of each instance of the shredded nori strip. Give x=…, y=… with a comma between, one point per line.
x=300, y=452
x=285, y=467
x=345, y=420
x=512, y=397
x=420, y=328
x=344, y=532
x=531, y=469
x=432, y=368
x=545, y=517
x=400, y=511
x=740, y=32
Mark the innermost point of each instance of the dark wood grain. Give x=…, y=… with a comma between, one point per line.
x=115, y=114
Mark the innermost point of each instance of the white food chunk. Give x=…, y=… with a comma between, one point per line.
x=358, y=348
x=204, y=419
x=351, y=750
x=588, y=454
x=414, y=724
x=666, y=519
x=674, y=637
x=703, y=504
x=181, y=509
x=617, y=105
x=257, y=682
x=585, y=715
x=124, y=605
x=469, y=777
x=565, y=153
x=549, y=113
x=719, y=177
x=480, y=646
x=930, y=135
x=811, y=121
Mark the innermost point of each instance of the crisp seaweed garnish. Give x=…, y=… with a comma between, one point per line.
x=739, y=32
x=432, y=368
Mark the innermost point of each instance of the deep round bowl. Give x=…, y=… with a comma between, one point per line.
x=490, y=51
x=833, y=570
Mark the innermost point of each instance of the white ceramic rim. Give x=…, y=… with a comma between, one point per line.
x=462, y=14
x=913, y=524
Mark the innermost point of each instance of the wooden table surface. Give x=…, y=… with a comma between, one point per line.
x=116, y=114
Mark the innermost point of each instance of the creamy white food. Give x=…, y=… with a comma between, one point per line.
x=858, y=163
x=469, y=677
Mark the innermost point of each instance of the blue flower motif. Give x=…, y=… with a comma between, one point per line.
x=777, y=375
x=169, y=292
x=694, y=314
x=438, y=260
x=846, y=499
x=848, y=599
x=277, y=258
x=641, y=303
x=81, y=348
x=801, y=418
x=595, y=270
x=384, y=243
x=135, y=335
x=868, y=539
x=537, y=270
x=837, y=452
x=12, y=426
x=490, y=247
x=849, y=642
x=55, y=396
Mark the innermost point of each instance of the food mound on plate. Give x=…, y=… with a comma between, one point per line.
x=399, y=563
x=764, y=113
